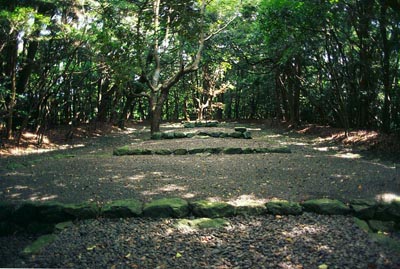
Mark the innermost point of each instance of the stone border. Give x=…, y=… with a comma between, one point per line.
x=127, y=150
x=202, y=134
x=45, y=217
x=195, y=124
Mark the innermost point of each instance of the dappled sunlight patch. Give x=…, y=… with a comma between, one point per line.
x=246, y=199
x=172, y=188
x=388, y=197
x=348, y=155
x=37, y=197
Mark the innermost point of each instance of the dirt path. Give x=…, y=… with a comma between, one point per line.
x=90, y=172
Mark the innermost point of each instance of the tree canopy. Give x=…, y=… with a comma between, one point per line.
x=79, y=61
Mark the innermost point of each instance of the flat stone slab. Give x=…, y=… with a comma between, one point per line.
x=326, y=207
x=166, y=208
x=209, y=209
x=122, y=209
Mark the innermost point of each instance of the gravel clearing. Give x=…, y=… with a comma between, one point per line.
x=306, y=241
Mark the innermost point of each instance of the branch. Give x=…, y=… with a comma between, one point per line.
x=221, y=29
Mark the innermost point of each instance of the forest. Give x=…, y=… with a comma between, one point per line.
x=73, y=62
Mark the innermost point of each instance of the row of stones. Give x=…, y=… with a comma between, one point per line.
x=240, y=132
x=30, y=216
x=127, y=150
x=201, y=124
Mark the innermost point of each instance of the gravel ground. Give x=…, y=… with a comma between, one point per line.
x=306, y=241
x=312, y=170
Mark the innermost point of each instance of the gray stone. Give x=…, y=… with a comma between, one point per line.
x=122, y=209
x=283, y=207
x=166, y=208
x=209, y=209
x=215, y=134
x=179, y=135
x=326, y=207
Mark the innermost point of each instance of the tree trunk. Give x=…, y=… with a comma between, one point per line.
x=13, y=87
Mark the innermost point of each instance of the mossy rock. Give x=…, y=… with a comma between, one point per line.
x=326, y=207
x=363, y=208
x=63, y=225
x=216, y=134
x=168, y=135
x=180, y=152
x=179, y=135
x=203, y=133
x=189, y=125
x=280, y=150
x=388, y=211
x=6, y=210
x=223, y=135
x=261, y=150
x=209, y=209
x=7, y=228
x=213, y=150
x=240, y=129
x=156, y=136
x=53, y=212
x=386, y=241
x=247, y=135
x=250, y=208
x=122, y=209
x=40, y=243
x=248, y=151
x=83, y=211
x=202, y=223
x=162, y=152
x=166, y=208
x=190, y=135
x=382, y=226
x=121, y=151
x=236, y=135
x=26, y=213
x=283, y=207
x=196, y=151
x=233, y=151
x=39, y=228
x=211, y=124
x=362, y=224
x=126, y=150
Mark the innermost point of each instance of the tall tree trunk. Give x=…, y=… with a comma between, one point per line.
x=13, y=86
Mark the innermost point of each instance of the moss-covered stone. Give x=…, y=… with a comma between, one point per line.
x=162, y=152
x=156, y=136
x=52, y=212
x=168, y=135
x=261, y=150
x=122, y=209
x=126, y=150
x=326, y=207
x=382, y=226
x=247, y=135
x=388, y=211
x=83, y=210
x=190, y=135
x=7, y=228
x=189, y=125
x=6, y=210
x=39, y=228
x=215, y=134
x=232, y=151
x=121, y=151
x=63, y=225
x=213, y=150
x=209, y=209
x=279, y=150
x=236, y=135
x=248, y=151
x=202, y=223
x=283, y=207
x=250, y=208
x=40, y=243
x=223, y=135
x=179, y=135
x=26, y=213
x=240, y=129
x=180, y=152
x=211, y=124
x=363, y=208
x=166, y=208
x=362, y=224
x=197, y=151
